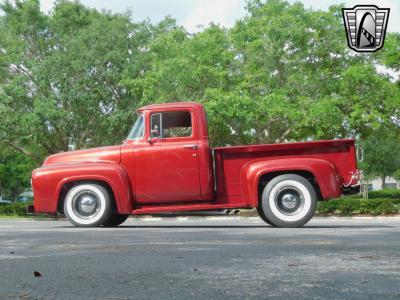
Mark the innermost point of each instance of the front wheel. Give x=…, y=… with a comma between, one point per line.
x=115, y=219
x=88, y=205
x=289, y=201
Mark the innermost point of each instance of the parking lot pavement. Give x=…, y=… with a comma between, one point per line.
x=201, y=258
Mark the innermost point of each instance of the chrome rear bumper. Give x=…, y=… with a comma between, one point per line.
x=351, y=190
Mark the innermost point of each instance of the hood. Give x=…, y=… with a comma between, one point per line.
x=104, y=154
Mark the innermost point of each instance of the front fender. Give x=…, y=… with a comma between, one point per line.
x=323, y=171
x=48, y=181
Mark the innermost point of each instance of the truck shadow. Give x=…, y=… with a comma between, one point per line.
x=350, y=226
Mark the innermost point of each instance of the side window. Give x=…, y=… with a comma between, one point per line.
x=171, y=124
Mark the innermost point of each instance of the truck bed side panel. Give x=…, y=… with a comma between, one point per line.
x=230, y=162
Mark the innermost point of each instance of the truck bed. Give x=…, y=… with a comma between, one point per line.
x=229, y=161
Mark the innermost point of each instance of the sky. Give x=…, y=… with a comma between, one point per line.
x=193, y=14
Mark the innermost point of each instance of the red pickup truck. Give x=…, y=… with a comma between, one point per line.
x=166, y=165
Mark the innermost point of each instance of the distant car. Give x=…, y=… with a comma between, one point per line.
x=4, y=201
x=25, y=196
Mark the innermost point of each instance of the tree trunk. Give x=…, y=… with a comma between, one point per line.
x=383, y=177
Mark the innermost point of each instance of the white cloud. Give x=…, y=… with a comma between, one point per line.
x=46, y=5
x=222, y=12
x=189, y=13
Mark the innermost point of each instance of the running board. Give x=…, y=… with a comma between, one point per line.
x=181, y=207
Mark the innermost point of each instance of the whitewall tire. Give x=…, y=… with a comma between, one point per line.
x=88, y=205
x=288, y=201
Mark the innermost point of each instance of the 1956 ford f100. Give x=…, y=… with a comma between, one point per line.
x=166, y=165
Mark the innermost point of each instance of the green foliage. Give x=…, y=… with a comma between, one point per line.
x=301, y=56
x=354, y=206
x=382, y=202
x=61, y=76
x=386, y=193
x=390, y=54
x=15, y=172
x=282, y=73
x=14, y=209
x=382, y=153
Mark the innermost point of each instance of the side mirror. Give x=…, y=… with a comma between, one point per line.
x=152, y=139
x=154, y=133
x=154, y=136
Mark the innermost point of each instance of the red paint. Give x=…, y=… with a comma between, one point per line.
x=48, y=181
x=176, y=174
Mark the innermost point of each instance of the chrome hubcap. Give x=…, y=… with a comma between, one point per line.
x=86, y=204
x=289, y=201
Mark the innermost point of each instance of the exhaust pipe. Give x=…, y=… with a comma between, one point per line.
x=231, y=211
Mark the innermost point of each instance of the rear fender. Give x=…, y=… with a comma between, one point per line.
x=48, y=182
x=323, y=171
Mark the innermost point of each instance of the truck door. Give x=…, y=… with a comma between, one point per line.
x=167, y=167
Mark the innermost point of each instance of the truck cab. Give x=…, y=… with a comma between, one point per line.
x=172, y=157
x=166, y=165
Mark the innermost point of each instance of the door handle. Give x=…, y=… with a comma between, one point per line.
x=194, y=147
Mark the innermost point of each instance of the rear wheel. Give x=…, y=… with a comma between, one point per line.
x=288, y=201
x=262, y=216
x=88, y=205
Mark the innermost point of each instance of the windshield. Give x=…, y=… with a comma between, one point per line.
x=137, y=129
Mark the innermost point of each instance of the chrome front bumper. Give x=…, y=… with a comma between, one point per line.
x=30, y=210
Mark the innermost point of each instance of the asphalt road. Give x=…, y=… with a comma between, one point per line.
x=204, y=258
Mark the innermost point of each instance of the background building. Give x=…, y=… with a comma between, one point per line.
x=376, y=184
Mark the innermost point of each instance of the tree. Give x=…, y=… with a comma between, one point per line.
x=282, y=73
x=299, y=58
x=382, y=154
x=61, y=76
x=390, y=53
x=15, y=171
